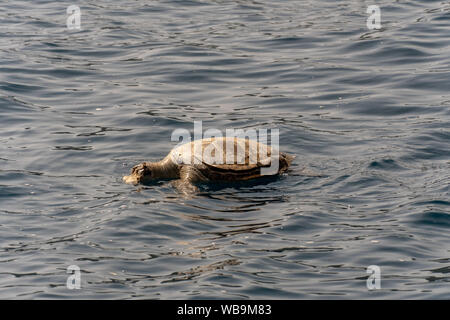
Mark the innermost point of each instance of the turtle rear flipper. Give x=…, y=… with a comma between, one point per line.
x=289, y=158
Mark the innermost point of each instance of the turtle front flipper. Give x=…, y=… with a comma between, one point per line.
x=188, y=176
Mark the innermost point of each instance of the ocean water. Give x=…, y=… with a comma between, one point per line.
x=368, y=110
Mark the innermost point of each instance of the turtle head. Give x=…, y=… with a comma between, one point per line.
x=140, y=173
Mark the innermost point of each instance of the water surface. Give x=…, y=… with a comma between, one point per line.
x=367, y=109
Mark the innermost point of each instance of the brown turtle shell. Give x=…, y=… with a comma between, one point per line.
x=229, y=158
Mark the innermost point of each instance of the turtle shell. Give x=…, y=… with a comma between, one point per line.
x=224, y=154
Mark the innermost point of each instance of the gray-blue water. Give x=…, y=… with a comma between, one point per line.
x=367, y=109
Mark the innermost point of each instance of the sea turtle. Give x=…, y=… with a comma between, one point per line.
x=212, y=159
